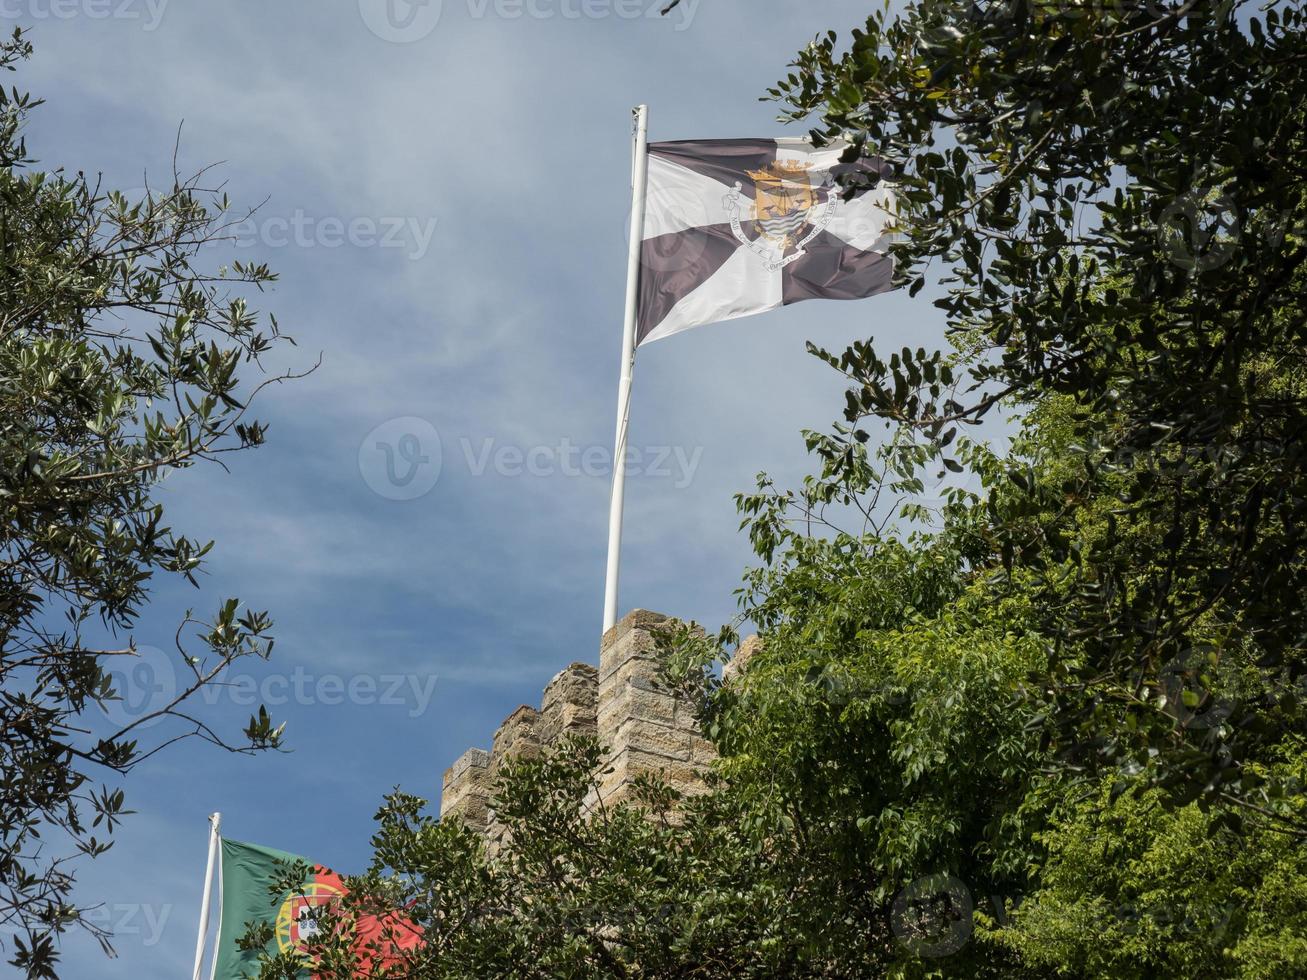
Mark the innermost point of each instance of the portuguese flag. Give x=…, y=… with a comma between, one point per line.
x=248, y=872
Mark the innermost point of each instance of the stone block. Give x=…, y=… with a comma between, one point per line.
x=629, y=764
x=568, y=704
x=702, y=752
x=516, y=737
x=672, y=742
x=640, y=700
x=465, y=794
x=636, y=621
x=749, y=646
x=470, y=765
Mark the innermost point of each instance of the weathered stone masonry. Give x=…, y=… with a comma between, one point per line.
x=645, y=728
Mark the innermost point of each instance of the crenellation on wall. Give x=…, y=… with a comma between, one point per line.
x=568, y=706
x=466, y=790
x=748, y=647
x=645, y=728
x=641, y=621
x=517, y=737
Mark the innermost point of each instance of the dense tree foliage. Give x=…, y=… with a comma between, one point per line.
x=1056, y=727
x=1118, y=190
x=119, y=362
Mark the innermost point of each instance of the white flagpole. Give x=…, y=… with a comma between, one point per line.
x=215, y=837
x=639, y=180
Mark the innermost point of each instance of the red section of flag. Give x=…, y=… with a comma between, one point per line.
x=379, y=940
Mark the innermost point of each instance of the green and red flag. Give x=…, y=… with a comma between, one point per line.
x=249, y=873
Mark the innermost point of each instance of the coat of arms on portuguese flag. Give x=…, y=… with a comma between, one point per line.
x=248, y=874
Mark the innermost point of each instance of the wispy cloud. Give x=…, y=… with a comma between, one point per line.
x=509, y=133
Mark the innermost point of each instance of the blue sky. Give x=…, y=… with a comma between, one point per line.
x=478, y=163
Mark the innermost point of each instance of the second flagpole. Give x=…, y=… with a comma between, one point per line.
x=215, y=843
x=639, y=181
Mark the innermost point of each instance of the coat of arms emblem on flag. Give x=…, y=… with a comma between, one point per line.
x=787, y=210
x=249, y=875
x=739, y=226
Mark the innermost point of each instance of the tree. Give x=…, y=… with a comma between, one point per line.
x=658, y=888
x=1133, y=888
x=1057, y=727
x=1118, y=190
x=119, y=362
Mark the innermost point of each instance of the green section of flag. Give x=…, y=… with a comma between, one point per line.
x=248, y=871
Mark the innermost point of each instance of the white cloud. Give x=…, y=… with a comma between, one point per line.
x=512, y=135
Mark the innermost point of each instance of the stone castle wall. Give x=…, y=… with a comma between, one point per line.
x=645, y=728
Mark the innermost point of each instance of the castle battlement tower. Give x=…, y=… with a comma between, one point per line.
x=645, y=728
